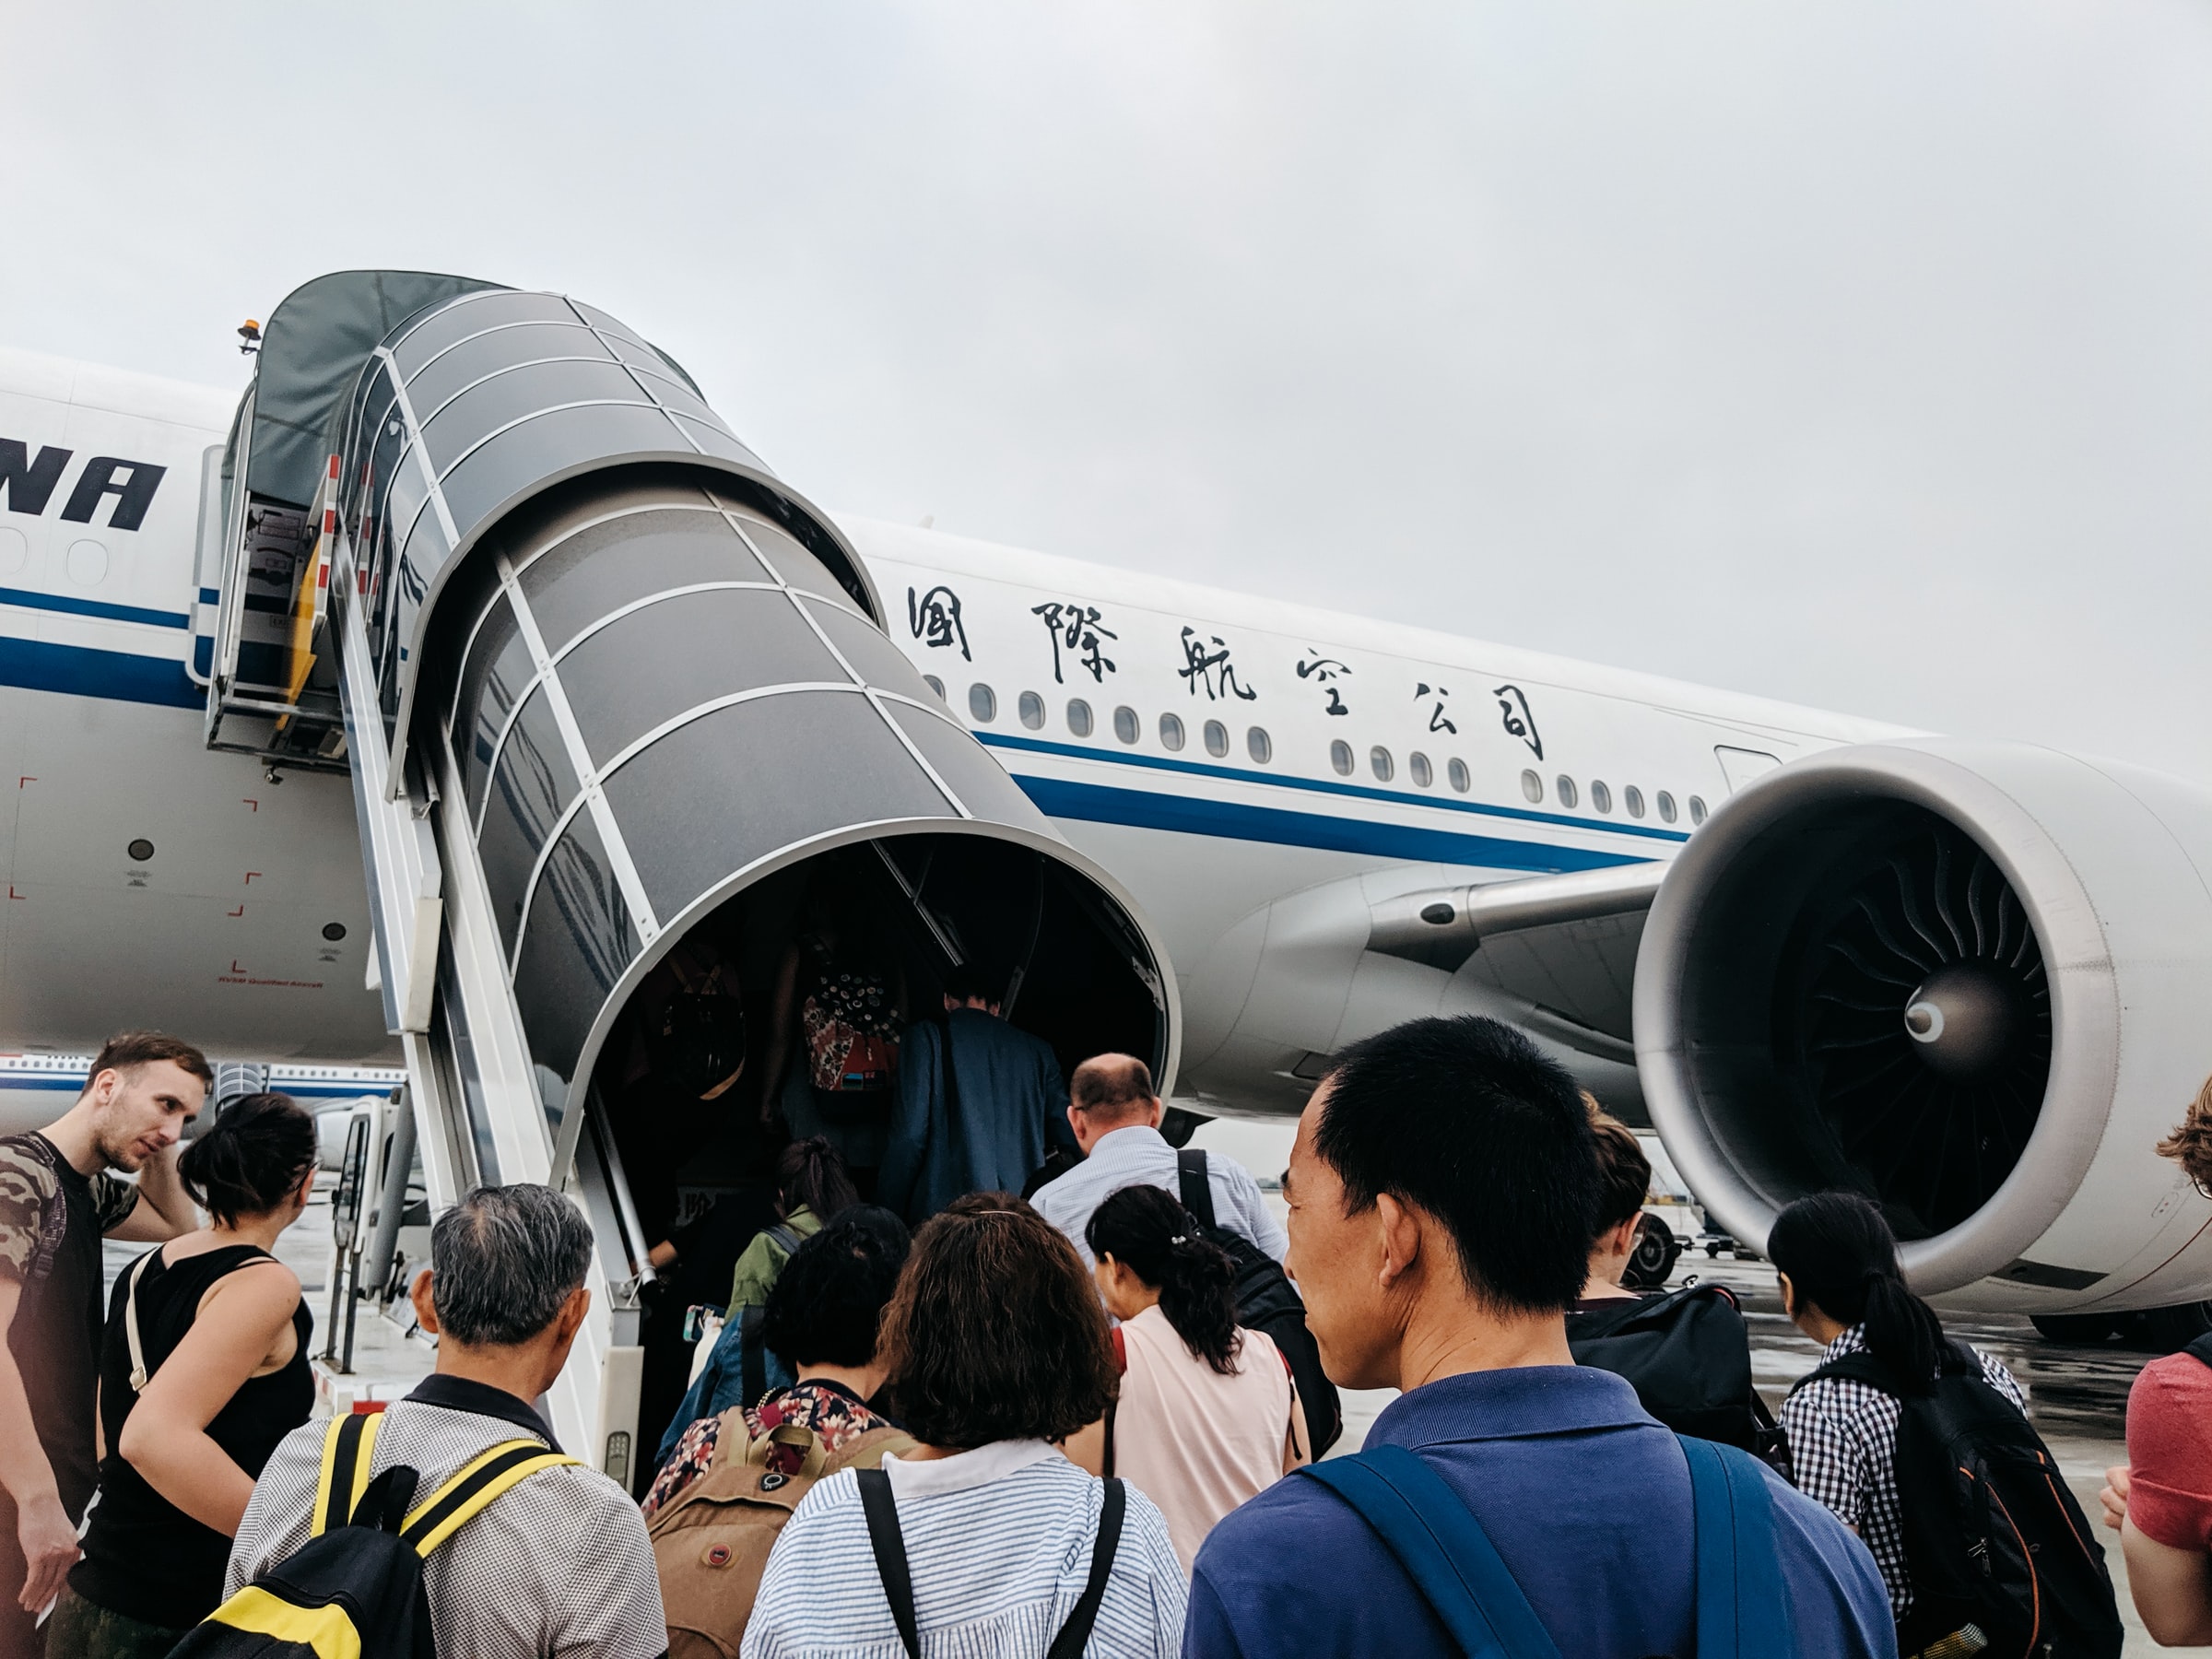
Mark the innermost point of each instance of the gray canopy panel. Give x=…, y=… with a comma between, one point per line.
x=485, y=398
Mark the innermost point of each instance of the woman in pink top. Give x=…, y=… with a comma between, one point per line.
x=1207, y=1415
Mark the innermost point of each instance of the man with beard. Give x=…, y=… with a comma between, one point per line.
x=60, y=1195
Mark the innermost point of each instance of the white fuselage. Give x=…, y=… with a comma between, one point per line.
x=245, y=925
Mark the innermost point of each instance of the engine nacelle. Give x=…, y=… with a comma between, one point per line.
x=1970, y=980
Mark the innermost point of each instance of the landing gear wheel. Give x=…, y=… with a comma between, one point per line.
x=1654, y=1258
x=2080, y=1330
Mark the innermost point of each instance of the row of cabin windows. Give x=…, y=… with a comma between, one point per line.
x=1601, y=798
x=982, y=703
x=1418, y=767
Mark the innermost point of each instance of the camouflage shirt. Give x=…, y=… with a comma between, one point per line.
x=34, y=1215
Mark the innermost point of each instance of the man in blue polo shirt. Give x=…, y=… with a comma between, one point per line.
x=1440, y=1190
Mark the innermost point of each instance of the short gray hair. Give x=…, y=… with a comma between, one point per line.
x=503, y=1259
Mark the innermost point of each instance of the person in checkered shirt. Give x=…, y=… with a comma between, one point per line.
x=1842, y=1286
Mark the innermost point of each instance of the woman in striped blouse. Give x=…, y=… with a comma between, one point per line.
x=985, y=1541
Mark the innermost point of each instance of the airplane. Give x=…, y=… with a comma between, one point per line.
x=414, y=709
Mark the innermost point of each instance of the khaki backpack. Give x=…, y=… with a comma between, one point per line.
x=711, y=1542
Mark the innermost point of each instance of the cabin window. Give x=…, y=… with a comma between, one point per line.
x=1416, y=766
x=1378, y=762
x=935, y=684
x=1217, y=738
x=1632, y=798
x=1457, y=770
x=1032, y=711
x=1565, y=785
x=1078, y=717
x=1696, y=809
x=1340, y=757
x=983, y=702
x=1600, y=797
x=1666, y=807
x=1170, y=731
x=1531, y=788
x=1259, y=745
x=1126, y=724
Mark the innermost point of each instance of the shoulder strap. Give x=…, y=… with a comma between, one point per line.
x=1197, y=1190
x=1857, y=1367
x=752, y=1359
x=1442, y=1549
x=782, y=1234
x=889, y=1545
x=1741, y=1608
x=472, y=1489
x=349, y=1445
x=1069, y=1644
x=139, y=1374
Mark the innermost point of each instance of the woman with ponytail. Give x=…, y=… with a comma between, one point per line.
x=1207, y=1415
x=1841, y=1286
x=203, y=1369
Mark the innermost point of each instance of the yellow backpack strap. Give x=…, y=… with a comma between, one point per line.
x=348, y=1447
x=472, y=1489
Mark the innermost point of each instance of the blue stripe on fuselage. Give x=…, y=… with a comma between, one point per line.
x=80, y=671
x=1443, y=803
x=1235, y=820
x=31, y=600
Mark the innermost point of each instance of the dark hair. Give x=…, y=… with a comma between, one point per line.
x=1841, y=1257
x=812, y=1172
x=1111, y=1084
x=502, y=1261
x=248, y=1160
x=826, y=1304
x=1467, y=1120
x=970, y=982
x=1153, y=1236
x=1624, y=1173
x=127, y=1050
x=995, y=1333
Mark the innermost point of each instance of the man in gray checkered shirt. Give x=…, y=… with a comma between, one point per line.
x=557, y=1565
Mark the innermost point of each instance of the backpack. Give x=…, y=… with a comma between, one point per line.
x=355, y=1587
x=888, y=1543
x=852, y=1030
x=1688, y=1355
x=711, y=1543
x=1267, y=1301
x=1742, y=1610
x=1992, y=1539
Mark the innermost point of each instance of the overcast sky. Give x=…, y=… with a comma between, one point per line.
x=1859, y=354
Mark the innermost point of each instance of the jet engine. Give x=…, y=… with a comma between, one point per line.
x=1967, y=980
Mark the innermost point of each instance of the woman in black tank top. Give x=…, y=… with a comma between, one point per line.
x=222, y=1338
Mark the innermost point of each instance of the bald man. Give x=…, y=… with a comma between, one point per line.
x=1117, y=1119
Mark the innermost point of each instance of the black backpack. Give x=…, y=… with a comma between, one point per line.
x=1688, y=1355
x=1992, y=1538
x=1267, y=1301
x=354, y=1586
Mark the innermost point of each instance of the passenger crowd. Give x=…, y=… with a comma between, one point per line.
x=960, y=1421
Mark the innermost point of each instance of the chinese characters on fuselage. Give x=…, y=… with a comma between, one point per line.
x=1325, y=671
x=936, y=619
x=1211, y=669
x=1077, y=627
x=1518, y=722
